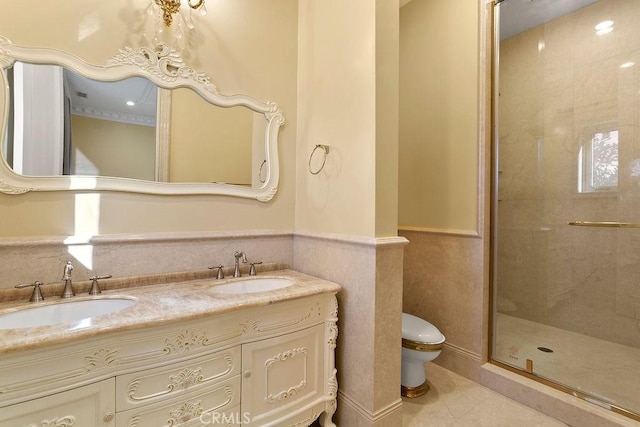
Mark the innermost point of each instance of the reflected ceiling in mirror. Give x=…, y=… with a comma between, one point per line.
x=193, y=146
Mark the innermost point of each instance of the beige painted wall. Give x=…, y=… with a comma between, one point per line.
x=438, y=176
x=114, y=148
x=345, y=92
x=387, y=83
x=245, y=46
x=336, y=107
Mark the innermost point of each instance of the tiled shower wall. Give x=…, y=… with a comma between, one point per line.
x=559, y=83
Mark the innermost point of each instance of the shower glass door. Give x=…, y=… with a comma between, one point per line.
x=566, y=198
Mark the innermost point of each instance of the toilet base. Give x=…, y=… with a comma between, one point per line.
x=417, y=391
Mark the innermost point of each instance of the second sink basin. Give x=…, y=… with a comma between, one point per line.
x=250, y=286
x=64, y=312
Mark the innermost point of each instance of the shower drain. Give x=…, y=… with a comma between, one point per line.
x=545, y=349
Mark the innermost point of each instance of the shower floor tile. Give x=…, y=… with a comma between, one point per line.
x=607, y=371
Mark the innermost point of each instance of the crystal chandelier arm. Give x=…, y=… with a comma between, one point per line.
x=169, y=7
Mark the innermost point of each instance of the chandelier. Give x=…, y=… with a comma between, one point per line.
x=169, y=7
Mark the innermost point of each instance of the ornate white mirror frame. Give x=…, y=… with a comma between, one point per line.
x=167, y=70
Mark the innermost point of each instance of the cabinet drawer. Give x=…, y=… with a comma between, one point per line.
x=90, y=405
x=153, y=385
x=281, y=318
x=191, y=409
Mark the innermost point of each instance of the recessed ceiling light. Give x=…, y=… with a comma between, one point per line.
x=604, y=27
x=628, y=64
x=604, y=24
x=541, y=45
x=131, y=103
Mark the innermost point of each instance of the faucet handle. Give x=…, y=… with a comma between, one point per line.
x=36, y=296
x=252, y=269
x=68, y=268
x=95, y=288
x=240, y=255
x=220, y=273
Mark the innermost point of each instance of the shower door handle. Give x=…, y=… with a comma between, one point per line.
x=610, y=224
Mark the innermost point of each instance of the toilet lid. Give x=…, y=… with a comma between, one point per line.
x=419, y=330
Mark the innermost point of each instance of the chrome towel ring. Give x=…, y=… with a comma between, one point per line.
x=325, y=149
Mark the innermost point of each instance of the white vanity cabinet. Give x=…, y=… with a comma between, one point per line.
x=267, y=365
x=90, y=405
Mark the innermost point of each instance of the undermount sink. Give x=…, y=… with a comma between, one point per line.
x=250, y=286
x=64, y=312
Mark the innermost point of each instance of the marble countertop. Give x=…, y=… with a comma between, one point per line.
x=157, y=304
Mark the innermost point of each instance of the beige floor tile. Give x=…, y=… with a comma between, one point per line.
x=456, y=401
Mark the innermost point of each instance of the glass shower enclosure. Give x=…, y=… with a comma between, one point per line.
x=566, y=196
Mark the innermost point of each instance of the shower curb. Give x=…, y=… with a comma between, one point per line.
x=549, y=401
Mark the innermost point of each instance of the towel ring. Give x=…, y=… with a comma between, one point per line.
x=325, y=149
x=264, y=162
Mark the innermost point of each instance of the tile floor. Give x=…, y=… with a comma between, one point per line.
x=455, y=401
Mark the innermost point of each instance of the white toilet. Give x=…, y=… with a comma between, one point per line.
x=421, y=343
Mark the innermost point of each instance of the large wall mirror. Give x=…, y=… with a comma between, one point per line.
x=143, y=122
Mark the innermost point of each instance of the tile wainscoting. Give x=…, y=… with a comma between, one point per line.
x=26, y=260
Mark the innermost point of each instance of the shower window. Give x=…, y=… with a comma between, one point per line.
x=566, y=197
x=598, y=163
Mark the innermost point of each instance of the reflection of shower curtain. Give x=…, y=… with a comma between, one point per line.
x=67, y=168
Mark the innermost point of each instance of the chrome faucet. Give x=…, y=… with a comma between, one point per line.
x=66, y=277
x=238, y=255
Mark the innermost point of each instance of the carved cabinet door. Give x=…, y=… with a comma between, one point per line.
x=90, y=405
x=281, y=375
